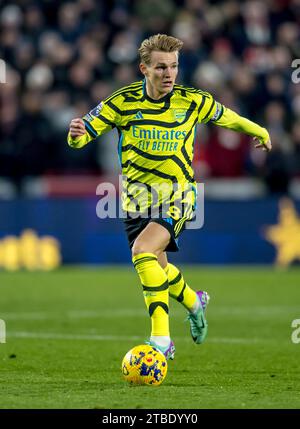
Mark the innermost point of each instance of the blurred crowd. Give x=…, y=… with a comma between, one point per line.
x=64, y=57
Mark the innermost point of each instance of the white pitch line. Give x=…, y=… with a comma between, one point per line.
x=80, y=314
x=24, y=316
x=95, y=337
x=58, y=336
x=258, y=311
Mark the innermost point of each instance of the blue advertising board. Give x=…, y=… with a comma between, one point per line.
x=234, y=232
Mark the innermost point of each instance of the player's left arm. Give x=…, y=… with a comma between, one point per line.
x=229, y=119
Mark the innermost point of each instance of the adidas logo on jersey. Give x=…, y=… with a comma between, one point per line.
x=139, y=115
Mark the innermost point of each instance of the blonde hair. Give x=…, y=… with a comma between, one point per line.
x=158, y=42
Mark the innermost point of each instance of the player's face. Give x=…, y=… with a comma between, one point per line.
x=161, y=73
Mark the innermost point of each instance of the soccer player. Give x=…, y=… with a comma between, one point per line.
x=156, y=120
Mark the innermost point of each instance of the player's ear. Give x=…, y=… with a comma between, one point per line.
x=143, y=69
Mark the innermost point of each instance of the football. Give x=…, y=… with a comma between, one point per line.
x=144, y=365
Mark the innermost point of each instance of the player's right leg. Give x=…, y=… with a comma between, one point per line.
x=194, y=302
x=150, y=243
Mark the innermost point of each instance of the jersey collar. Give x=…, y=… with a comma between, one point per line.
x=160, y=100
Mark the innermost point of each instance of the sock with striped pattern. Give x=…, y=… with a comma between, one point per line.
x=156, y=292
x=179, y=290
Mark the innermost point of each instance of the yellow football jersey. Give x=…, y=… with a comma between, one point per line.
x=156, y=142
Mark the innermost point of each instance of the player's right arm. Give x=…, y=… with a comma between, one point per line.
x=98, y=121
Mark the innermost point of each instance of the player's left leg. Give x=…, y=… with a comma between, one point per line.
x=194, y=302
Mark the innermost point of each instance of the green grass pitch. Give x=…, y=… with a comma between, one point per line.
x=67, y=332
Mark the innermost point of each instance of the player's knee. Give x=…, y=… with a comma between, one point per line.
x=140, y=246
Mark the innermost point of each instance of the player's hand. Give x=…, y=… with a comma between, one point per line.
x=77, y=128
x=264, y=146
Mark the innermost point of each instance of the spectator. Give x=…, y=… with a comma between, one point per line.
x=65, y=55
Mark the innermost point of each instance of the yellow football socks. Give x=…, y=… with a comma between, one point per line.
x=179, y=290
x=156, y=292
